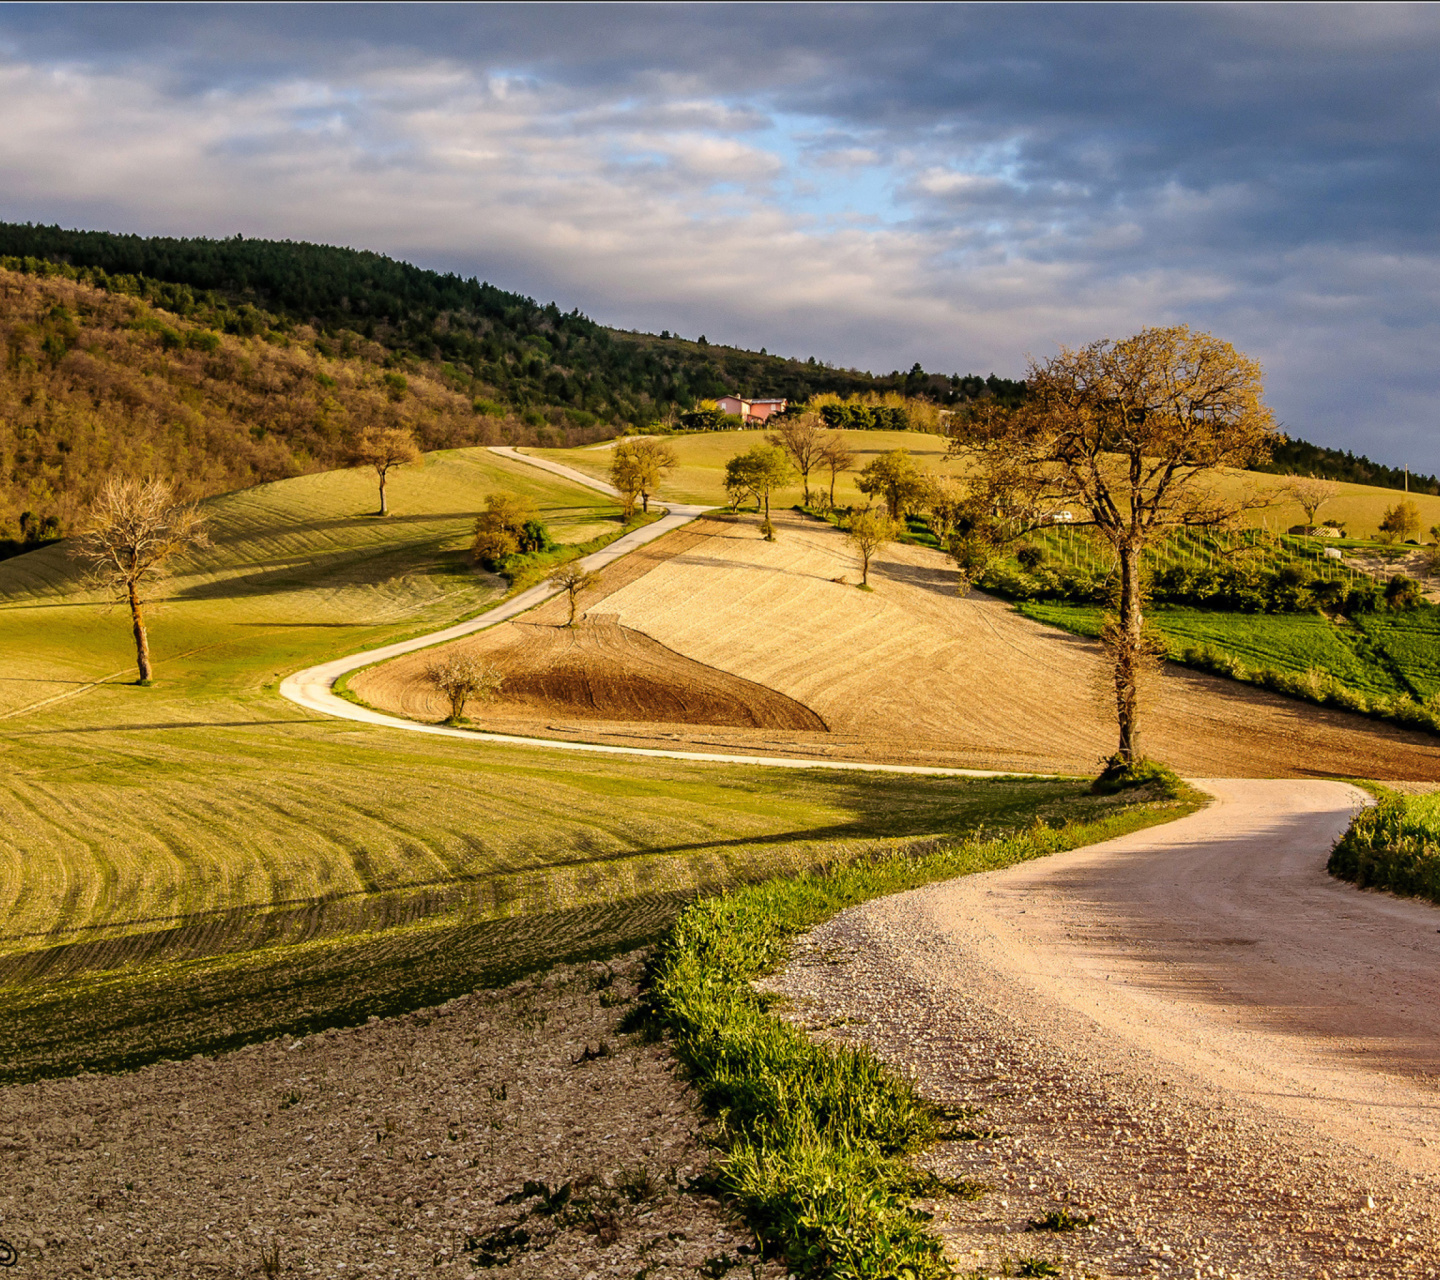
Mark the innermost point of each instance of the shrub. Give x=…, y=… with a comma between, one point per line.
x=1403, y=593
x=1030, y=556
x=1121, y=774
x=509, y=524
x=1392, y=845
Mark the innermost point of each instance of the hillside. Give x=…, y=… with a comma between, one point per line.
x=95, y=380
x=200, y=862
x=503, y=344
x=909, y=673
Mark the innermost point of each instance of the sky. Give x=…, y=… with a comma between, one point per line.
x=966, y=186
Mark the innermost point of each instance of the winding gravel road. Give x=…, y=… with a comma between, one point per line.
x=1261, y=1036
x=314, y=688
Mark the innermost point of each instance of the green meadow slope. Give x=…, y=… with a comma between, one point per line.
x=198, y=863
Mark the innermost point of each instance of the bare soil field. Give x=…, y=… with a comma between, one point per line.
x=513, y=1131
x=909, y=673
x=597, y=670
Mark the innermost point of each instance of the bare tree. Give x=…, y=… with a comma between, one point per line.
x=135, y=529
x=1312, y=493
x=637, y=468
x=461, y=677
x=573, y=579
x=837, y=456
x=801, y=437
x=867, y=532
x=1131, y=430
x=386, y=448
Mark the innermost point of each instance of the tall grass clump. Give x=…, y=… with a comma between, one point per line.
x=815, y=1138
x=1395, y=845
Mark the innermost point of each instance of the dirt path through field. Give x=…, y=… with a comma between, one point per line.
x=1192, y=1031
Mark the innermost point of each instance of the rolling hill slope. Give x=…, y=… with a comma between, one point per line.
x=200, y=863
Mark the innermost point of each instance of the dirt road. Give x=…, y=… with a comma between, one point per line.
x=1191, y=1031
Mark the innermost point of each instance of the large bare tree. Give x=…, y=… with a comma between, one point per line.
x=386, y=448
x=1312, y=493
x=1133, y=431
x=461, y=677
x=134, y=529
x=802, y=437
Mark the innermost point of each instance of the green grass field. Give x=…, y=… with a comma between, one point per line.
x=198, y=863
x=1380, y=654
x=700, y=477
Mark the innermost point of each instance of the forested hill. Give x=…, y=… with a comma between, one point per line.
x=1300, y=458
x=98, y=380
x=504, y=346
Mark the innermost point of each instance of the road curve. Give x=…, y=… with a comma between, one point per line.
x=1215, y=947
x=314, y=687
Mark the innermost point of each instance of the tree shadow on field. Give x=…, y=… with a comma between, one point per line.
x=224, y=537
x=331, y=567
x=939, y=581
x=170, y=724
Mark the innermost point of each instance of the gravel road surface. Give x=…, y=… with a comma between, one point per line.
x=1192, y=1033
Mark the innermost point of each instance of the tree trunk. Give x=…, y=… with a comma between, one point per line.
x=142, y=641
x=1129, y=653
x=645, y=502
x=832, y=490
x=805, y=480
x=382, y=494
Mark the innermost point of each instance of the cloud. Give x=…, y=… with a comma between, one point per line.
x=872, y=185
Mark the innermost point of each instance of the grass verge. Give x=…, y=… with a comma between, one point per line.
x=1394, y=844
x=815, y=1138
x=1386, y=667
x=526, y=570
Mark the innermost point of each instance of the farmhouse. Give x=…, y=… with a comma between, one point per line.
x=750, y=411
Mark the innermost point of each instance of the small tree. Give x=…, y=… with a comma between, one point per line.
x=135, y=529
x=946, y=501
x=759, y=471
x=837, y=456
x=867, y=532
x=573, y=579
x=802, y=439
x=383, y=449
x=973, y=553
x=894, y=477
x=1399, y=522
x=1312, y=493
x=637, y=468
x=461, y=677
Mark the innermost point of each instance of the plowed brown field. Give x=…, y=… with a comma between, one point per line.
x=908, y=673
x=597, y=671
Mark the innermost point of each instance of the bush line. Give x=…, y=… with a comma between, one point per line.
x=815, y=1137
x=1395, y=845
